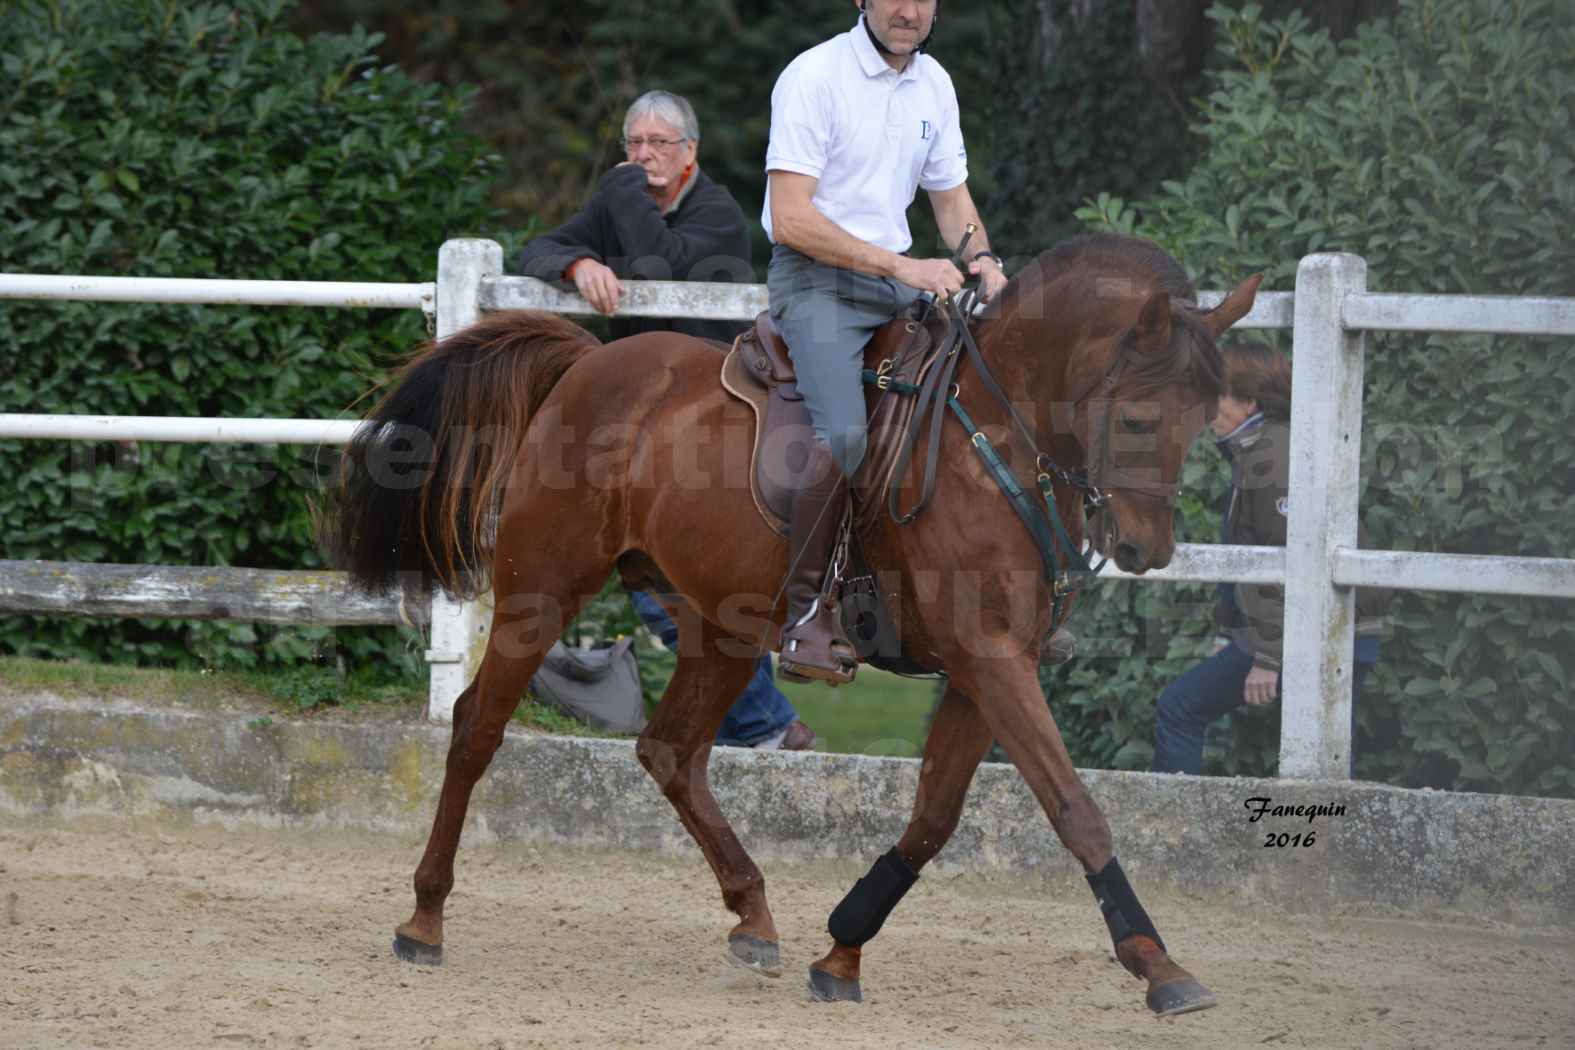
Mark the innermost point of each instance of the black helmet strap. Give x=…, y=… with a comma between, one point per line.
x=923, y=45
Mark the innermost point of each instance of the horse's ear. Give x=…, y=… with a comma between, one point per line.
x=1153, y=328
x=1233, y=307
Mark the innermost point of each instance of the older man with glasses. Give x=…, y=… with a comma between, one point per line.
x=654, y=217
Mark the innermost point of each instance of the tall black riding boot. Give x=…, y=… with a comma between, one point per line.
x=814, y=647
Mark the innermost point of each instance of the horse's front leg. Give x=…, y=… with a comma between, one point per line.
x=713, y=668
x=957, y=743
x=1013, y=706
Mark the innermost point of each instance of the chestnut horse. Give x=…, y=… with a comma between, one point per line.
x=523, y=449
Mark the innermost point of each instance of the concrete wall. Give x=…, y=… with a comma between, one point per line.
x=1418, y=853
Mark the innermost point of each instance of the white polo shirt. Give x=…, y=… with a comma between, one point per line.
x=871, y=135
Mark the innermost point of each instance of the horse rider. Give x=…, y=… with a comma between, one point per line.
x=858, y=124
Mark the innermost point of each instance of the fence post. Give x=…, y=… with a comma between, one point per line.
x=1326, y=450
x=459, y=629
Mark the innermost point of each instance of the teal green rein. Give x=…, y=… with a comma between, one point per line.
x=1047, y=536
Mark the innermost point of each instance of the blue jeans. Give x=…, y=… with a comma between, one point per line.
x=761, y=710
x=1207, y=692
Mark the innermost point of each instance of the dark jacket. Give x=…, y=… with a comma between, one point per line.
x=1256, y=515
x=701, y=238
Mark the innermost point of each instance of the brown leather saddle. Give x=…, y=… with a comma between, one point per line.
x=759, y=372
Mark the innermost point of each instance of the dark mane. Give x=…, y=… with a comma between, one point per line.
x=1094, y=260
x=1106, y=255
x=1106, y=265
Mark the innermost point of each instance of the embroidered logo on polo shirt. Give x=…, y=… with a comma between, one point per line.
x=1283, y=505
x=925, y=129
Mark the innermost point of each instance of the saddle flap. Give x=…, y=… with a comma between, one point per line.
x=760, y=373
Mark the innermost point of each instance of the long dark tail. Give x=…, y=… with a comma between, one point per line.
x=421, y=480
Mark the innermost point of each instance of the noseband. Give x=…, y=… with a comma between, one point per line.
x=1100, y=479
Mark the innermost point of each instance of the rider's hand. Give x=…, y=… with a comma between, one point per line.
x=932, y=275
x=992, y=278
x=1261, y=683
x=598, y=284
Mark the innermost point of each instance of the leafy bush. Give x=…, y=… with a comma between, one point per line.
x=160, y=138
x=1436, y=146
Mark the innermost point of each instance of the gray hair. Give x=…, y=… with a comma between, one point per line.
x=672, y=110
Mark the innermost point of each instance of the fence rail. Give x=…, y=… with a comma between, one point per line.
x=1329, y=312
x=179, y=429
x=365, y=295
x=197, y=593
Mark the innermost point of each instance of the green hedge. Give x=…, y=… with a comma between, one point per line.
x=1436, y=145
x=162, y=138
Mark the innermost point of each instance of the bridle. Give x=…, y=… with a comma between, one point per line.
x=1102, y=421
x=1040, y=517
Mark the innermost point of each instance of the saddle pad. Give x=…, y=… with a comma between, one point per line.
x=773, y=504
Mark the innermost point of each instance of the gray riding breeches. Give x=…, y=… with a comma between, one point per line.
x=827, y=317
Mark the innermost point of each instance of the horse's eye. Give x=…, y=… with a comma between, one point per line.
x=1137, y=424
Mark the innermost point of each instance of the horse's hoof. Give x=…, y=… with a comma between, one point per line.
x=755, y=954
x=1179, y=997
x=413, y=951
x=826, y=988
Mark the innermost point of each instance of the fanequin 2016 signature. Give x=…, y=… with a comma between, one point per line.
x=1260, y=807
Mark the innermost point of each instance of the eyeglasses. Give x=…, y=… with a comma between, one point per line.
x=632, y=145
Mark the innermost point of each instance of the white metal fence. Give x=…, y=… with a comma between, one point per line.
x=1329, y=312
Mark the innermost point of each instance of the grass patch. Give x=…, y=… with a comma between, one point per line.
x=879, y=714
x=548, y=719
x=291, y=691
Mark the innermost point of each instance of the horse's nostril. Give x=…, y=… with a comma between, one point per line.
x=1129, y=556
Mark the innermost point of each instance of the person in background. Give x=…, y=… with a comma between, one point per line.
x=654, y=217
x=657, y=217
x=1252, y=431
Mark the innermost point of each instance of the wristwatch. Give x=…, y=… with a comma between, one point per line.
x=989, y=254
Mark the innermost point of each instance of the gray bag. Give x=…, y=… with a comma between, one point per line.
x=600, y=686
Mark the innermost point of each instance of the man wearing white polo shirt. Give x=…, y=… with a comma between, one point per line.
x=858, y=125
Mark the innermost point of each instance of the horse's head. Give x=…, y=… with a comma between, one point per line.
x=1146, y=392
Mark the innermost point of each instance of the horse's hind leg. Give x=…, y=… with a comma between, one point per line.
x=957, y=743
x=713, y=668
x=524, y=626
x=1015, y=709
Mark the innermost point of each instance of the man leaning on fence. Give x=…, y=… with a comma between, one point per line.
x=658, y=217
x=654, y=217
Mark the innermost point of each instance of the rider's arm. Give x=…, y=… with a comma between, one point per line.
x=954, y=210
x=797, y=223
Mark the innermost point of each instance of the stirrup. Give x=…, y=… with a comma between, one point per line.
x=814, y=650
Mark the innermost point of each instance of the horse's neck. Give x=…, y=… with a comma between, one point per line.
x=1031, y=358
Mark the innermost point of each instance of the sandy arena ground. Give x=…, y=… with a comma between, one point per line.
x=154, y=934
